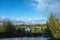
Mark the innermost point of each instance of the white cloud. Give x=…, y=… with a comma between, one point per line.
x=51, y=5
x=29, y=19
x=55, y=7
x=22, y=21
x=17, y=19
x=39, y=4
x=35, y=21
x=2, y=18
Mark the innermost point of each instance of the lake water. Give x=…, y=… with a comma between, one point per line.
x=26, y=38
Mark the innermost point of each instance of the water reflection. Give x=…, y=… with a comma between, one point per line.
x=26, y=38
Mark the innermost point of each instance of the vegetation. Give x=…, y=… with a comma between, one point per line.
x=53, y=24
x=51, y=28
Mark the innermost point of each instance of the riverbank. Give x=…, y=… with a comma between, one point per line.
x=25, y=36
x=13, y=35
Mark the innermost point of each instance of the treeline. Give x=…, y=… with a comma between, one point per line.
x=51, y=28
x=7, y=29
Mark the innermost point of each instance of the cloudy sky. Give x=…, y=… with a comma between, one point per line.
x=28, y=10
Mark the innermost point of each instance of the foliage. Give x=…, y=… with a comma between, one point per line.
x=38, y=29
x=52, y=27
x=8, y=27
x=1, y=28
x=53, y=24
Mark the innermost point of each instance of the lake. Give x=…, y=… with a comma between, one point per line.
x=26, y=38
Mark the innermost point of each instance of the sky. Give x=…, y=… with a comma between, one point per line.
x=27, y=10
